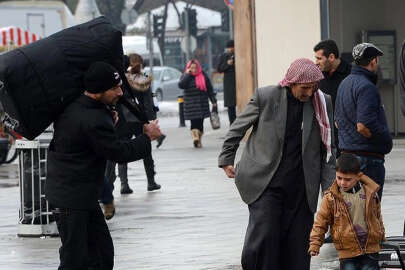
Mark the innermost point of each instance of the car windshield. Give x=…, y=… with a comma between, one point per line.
x=156, y=73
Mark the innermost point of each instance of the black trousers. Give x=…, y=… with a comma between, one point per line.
x=197, y=124
x=86, y=240
x=277, y=236
x=231, y=114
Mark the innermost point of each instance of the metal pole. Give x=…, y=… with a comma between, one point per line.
x=188, y=53
x=32, y=186
x=230, y=23
x=21, y=162
x=150, y=43
x=209, y=49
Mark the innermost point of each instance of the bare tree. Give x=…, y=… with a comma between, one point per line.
x=112, y=10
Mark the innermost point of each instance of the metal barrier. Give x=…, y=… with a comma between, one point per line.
x=36, y=217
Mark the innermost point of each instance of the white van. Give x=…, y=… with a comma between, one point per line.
x=138, y=44
x=42, y=18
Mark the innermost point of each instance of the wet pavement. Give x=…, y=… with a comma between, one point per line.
x=196, y=221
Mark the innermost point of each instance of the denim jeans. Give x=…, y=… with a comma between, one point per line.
x=374, y=168
x=106, y=195
x=363, y=262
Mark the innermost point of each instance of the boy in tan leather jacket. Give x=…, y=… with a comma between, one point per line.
x=352, y=209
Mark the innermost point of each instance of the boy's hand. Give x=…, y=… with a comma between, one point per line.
x=314, y=253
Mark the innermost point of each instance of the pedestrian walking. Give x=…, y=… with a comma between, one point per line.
x=360, y=114
x=197, y=90
x=141, y=88
x=334, y=70
x=227, y=66
x=84, y=139
x=287, y=157
x=352, y=209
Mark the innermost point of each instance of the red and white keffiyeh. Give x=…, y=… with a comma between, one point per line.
x=321, y=114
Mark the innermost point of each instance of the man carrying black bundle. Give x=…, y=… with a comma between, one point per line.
x=83, y=140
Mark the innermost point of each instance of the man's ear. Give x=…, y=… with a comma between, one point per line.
x=332, y=57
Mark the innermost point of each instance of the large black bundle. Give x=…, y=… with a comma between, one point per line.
x=40, y=79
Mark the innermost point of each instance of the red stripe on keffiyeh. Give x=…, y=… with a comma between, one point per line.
x=321, y=114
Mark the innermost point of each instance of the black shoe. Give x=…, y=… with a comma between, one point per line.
x=153, y=187
x=125, y=189
x=160, y=140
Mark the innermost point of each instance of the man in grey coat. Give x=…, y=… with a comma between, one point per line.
x=288, y=156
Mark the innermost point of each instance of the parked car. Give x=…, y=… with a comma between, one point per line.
x=165, y=83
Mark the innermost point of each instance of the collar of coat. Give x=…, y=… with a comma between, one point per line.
x=358, y=70
x=369, y=186
x=91, y=102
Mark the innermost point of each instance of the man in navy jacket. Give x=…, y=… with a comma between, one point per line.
x=360, y=115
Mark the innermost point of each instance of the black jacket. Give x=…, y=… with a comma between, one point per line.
x=330, y=83
x=84, y=138
x=196, y=101
x=229, y=79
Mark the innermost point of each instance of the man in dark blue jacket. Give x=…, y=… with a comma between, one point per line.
x=360, y=115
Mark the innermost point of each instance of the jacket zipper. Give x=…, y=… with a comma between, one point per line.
x=367, y=220
x=352, y=228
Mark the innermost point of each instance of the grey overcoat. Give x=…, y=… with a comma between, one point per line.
x=267, y=114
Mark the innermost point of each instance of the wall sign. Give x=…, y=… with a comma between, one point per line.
x=386, y=41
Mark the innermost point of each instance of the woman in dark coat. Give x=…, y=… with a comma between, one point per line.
x=141, y=89
x=197, y=90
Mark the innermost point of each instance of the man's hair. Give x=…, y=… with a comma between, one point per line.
x=328, y=46
x=364, y=61
x=348, y=163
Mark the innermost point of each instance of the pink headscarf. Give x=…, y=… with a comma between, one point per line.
x=198, y=75
x=302, y=70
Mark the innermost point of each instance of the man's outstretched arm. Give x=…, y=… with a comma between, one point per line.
x=236, y=133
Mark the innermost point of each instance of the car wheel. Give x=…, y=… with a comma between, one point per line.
x=159, y=95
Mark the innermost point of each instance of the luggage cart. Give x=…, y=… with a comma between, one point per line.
x=36, y=217
x=392, y=252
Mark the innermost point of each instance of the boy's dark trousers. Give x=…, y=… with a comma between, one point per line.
x=363, y=262
x=86, y=240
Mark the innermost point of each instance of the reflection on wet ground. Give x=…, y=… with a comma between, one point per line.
x=196, y=221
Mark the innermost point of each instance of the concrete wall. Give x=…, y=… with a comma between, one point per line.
x=285, y=30
x=348, y=18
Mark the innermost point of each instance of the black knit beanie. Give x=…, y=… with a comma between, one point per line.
x=100, y=77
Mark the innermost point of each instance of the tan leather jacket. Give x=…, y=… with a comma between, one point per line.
x=333, y=212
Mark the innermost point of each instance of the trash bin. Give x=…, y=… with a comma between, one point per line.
x=36, y=217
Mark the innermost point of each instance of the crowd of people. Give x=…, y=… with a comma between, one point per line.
x=323, y=126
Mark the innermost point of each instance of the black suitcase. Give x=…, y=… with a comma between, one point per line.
x=40, y=79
